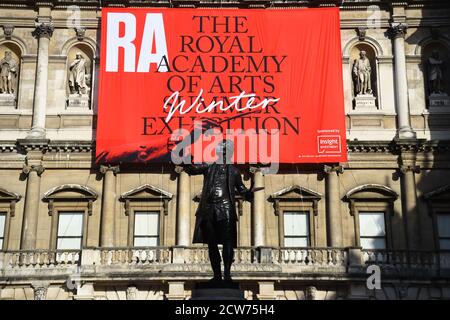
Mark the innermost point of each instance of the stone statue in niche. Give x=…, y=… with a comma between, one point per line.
x=78, y=82
x=362, y=80
x=9, y=70
x=77, y=75
x=436, y=82
x=362, y=74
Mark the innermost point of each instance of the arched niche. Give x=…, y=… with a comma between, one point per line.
x=443, y=50
x=371, y=54
x=80, y=75
x=10, y=64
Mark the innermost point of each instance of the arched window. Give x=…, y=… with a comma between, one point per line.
x=371, y=205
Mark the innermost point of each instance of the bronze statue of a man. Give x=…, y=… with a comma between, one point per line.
x=362, y=74
x=8, y=72
x=216, y=216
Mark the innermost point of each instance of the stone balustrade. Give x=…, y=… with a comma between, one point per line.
x=250, y=262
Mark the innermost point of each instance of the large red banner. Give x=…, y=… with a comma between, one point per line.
x=270, y=75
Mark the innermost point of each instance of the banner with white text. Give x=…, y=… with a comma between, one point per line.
x=180, y=80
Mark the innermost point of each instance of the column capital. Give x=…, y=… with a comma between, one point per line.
x=40, y=290
x=38, y=168
x=333, y=168
x=409, y=168
x=397, y=30
x=114, y=169
x=43, y=30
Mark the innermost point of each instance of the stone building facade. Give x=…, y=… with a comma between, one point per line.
x=315, y=230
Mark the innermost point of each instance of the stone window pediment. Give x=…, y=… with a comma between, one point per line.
x=299, y=200
x=69, y=198
x=372, y=199
x=146, y=193
x=8, y=202
x=146, y=199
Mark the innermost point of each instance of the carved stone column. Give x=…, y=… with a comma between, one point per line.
x=258, y=209
x=333, y=205
x=183, y=208
x=398, y=32
x=108, y=205
x=31, y=211
x=409, y=203
x=43, y=33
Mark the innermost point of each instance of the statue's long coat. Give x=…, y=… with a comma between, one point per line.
x=234, y=184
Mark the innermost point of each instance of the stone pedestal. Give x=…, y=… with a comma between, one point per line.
x=7, y=100
x=224, y=291
x=439, y=100
x=78, y=101
x=365, y=102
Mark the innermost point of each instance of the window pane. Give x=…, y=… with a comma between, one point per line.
x=296, y=224
x=444, y=225
x=69, y=243
x=371, y=224
x=295, y=242
x=444, y=244
x=146, y=242
x=70, y=224
x=373, y=243
x=146, y=223
x=1, y=244
x=2, y=225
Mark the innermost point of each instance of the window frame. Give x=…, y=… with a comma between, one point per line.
x=8, y=202
x=368, y=207
x=441, y=211
x=310, y=226
x=437, y=201
x=83, y=228
x=373, y=237
x=133, y=220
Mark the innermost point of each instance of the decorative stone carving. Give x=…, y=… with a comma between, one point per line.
x=9, y=71
x=398, y=30
x=311, y=293
x=38, y=168
x=40, y=292
x=8, y=30
x=44, y=30
x=132, y=293
x=361, y=31
x=80, y=31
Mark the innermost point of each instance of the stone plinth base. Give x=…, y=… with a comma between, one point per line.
x=439, y=100
x=7, y=100
x=78, y=101
x=223, y=291
x=365, y=102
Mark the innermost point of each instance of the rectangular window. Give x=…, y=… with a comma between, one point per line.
x=296, y=229
x=70, y=230
x=372, y=230
x=443, y=221
x=2, y=229
x=146, y=228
